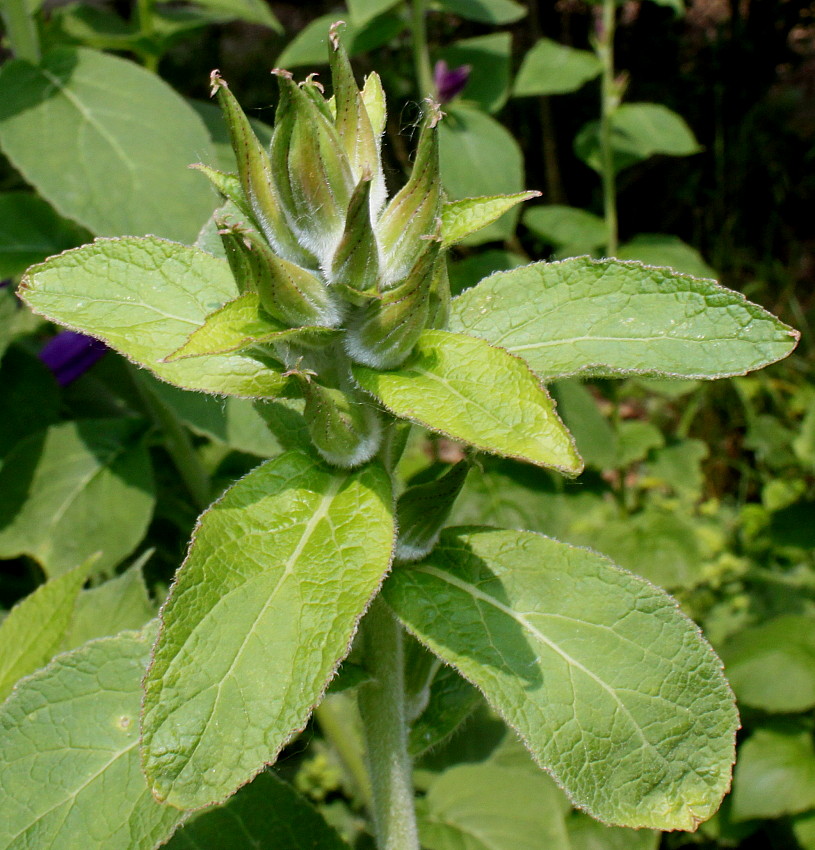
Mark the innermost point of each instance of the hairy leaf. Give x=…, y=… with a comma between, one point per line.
x=461, y=218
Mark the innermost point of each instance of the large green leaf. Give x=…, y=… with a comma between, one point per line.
x=490, y=807
x=280, y=570
x=30, y=231
x=470, y=391
x=772, y=666
x=775, y=774
x=144, y=297
x=74, y=490
x=363, y=11
x=488, y=57
x=268, y=813
x=611, y=318
x=251, y=11
x=125, y=141
x=34, y=628
x=485, y=11
x=611, y=687
x=479, y=157
x=70, y=773
x=450, y=701
x=553, y=68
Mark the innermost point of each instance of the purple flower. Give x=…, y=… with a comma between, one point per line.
x=70, y=354
x=450, y=81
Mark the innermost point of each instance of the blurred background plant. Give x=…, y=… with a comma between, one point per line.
x=671, y=134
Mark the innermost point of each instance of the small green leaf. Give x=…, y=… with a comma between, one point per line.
x=772, y=666
x=241, y=324
x=596, y=440
x=461, y=218
x=258, y=620
x=461, y=387
x=251, y=11
x=114, y=170
x=573, y=231
x=553, y=68
x=610, y=318
x=611, y=687
x=489, y=59
x=487, y=807
x=115, y=606
x=479, y=157
x=775, y=774
x=587, y=834
x=74, y=490
x=451, y=701
x=485, y=11
x=30, y=231
x=363, y=11
x=639, y=130
x=659, y=249
x=144, y=297
x=35, y=627
x=76, y=722
x=269, y=813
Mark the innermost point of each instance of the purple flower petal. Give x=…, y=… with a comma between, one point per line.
x=70, y=354
x=450, y=81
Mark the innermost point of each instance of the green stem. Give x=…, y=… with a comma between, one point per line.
x=609, y=102
x=21, y=30
x=144, y=11
x=421, y=55
x=179, y=446
x=382, y=707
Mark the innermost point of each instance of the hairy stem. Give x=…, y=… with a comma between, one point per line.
x=382, y=707
x=609, y=101
x=421, y=55
x=21, y=30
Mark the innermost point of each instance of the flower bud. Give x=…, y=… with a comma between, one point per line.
x=415, y=210
x=288, y=293
x=255, y=173
x=385, y=331
x=229, y=185
x=355, y=265
x=344, y=428
x=438, y=311
x=422, y=511
x=311, y=169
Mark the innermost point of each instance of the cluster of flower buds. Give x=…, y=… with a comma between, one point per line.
x=321, y=246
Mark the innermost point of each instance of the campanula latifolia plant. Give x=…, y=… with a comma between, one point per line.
x=330, y=304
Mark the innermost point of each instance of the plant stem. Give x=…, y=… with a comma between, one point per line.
x=178, y=444
x=144, y=11
x=382, y=707
x=609, y=100
x=21, y=30
x=421, y=55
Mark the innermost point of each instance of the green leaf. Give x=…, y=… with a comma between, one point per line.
x=30, y=231
x=309, y=46
x=35, y=627
x=611, y=318
x=76, y=723
x=470, y=270
x=803, y=828
x=235, y=422
x=451, y=701
x=125, y=141
x=775, y=774
x=679, y=466
x=553, y=68
x=241, y=324
x=485, y=11
x=28, y=391
x=251, y=11
x=144, y=297
x=8, y=309
x=659, y=249
x=486, y=807
x=588, y=834
x=479, y=157
x=772, y=666
x=639, y=130
x=467, y=390
x=74, y=490
x=269, y=813
x=596, y=440
x=363, y=11
x=611, y=687
x=246, y=650
x=115, y=606
x=635, y=439
x=459, y=219
x=573, y=231
x=489, y=59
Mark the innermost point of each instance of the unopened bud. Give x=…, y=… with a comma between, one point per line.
x=355, y=265
x=438, y=308
x=423, y=510
x=386, y=330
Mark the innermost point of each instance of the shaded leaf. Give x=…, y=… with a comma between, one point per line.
x=573, y=231
x=659, y=249
x=485, y=11
x=553, y=68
